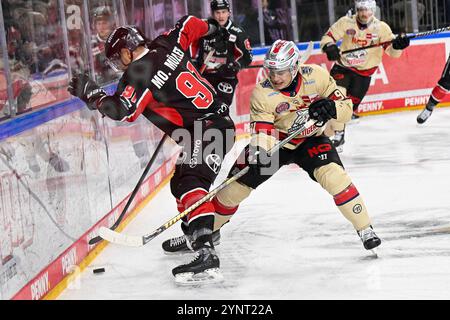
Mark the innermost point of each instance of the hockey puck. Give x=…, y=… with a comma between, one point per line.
x=98, y=270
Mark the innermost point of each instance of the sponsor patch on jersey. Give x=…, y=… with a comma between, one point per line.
x=282, y=107
x=306, y=70
x=308, y=82
x=232, y=38
x=350, y=32
x=225, y=87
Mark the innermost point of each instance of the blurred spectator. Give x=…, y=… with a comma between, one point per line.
x=246, y=16
x=276, y=21
x=403, y=14
x=103, y=25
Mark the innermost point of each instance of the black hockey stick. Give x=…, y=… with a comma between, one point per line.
x=138, y=241
x=416, y=35
x=136, y=188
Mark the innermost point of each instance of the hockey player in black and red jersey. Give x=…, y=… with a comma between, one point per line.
x=230, y=55
x=162, y=84
x=286, y=99
x=441, y=89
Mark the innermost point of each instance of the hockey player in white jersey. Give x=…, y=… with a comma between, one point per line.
x=353, y=70
x=286, y=99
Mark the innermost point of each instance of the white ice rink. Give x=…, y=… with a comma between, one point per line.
x=289, y=241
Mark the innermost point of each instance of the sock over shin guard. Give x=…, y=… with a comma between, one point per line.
x=333, y=178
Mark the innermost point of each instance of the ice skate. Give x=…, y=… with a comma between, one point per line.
x=355, y=119
x=424, y=115
x=203, y=269
x=338, y=141
x=182, y=244
x=369, y=239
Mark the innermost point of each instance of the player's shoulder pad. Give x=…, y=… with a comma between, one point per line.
x=383, y=25
x=236, y=29
x=311, y=70
x=346, y=19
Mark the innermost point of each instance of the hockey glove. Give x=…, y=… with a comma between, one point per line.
x=83, y=87
x=401, y=42
x=229, y=69
x=332, y=51
x=220, y=119
x=322, y=110
x=258, y=159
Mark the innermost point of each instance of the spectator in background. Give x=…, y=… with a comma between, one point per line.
x=276, y=21
x=103, y=25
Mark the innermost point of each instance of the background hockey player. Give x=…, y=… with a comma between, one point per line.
x=160, y=82
x=230, y=55
x=287, y=98
x=439, y=92
x=353, y=71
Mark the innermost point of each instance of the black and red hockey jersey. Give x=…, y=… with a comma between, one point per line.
x=236, y=49
x=163, y=84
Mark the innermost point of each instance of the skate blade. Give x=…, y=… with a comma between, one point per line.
x=177, y=253
x=208, y=276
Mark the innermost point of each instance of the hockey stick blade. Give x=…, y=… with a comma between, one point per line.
x=120, y=238
x=136, y=189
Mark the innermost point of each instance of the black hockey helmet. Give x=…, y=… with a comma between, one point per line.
x=219, y=5
x=128, y=37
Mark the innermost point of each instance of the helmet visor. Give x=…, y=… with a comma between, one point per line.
x=115, y=62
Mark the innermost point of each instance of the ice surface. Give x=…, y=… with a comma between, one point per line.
x=289, y=241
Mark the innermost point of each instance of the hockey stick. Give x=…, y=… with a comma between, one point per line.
x=208, y=57
x=138, y=241
x=305, y=56
x=416, y=35
x=136, y=188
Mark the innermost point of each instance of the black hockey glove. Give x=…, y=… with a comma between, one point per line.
x=83, y=87
x=220, y=116
x=322, y=110
x=258, y=160
x=401, y=42
x=332, y=51
x=229, y=69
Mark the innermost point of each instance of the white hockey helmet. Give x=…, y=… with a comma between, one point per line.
x=366, y=4
x=283, y=55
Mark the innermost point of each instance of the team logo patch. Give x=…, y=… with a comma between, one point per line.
x=225, y=87
x=306, y=70
x=282, y=107
x=357, y=208
x=350, y=32
x=214, y=161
